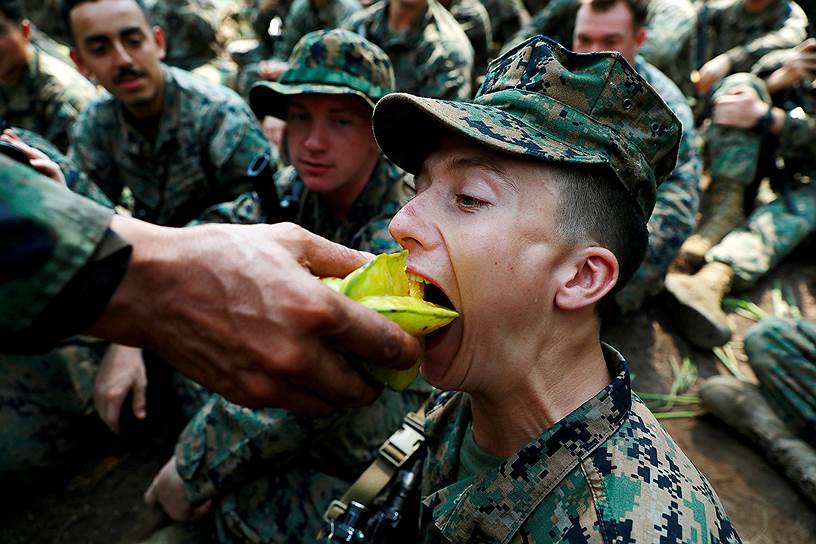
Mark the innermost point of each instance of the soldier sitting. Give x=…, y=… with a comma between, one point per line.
x=339, y=186
x=531, y=208
x=37, y=91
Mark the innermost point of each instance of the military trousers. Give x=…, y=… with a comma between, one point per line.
x=782, y=353
x=771, y=233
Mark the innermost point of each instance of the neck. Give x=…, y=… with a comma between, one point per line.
x=401, y=15
x=563, y=376
x=754, y=6
x=149, y=108
x=341, y=200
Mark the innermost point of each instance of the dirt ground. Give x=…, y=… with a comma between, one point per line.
x=99, y=499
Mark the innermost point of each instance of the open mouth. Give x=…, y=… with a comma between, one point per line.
x=431, y=293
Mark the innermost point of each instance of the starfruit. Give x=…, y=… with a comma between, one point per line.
x=383, y=286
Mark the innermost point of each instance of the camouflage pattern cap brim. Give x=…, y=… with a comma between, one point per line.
x=272, y=98
x=543, y=101
x=401, y=118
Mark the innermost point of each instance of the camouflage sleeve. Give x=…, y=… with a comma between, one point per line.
x=244, y=210
x=235, y=143
x=91, y=156
x=54, y=234
x=225, y=445
x=475, y=22
x=671, y=23
x=556, y=19
x=448, y=75
x=790, y=32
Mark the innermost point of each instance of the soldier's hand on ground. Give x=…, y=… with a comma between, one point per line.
x=238, y=309
x=167, y=491
x=122, y=371
x=38, y=160
x=711, y=72
x=741, y=108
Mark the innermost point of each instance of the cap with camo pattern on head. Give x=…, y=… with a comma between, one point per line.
x=327, y=62
x=544, y=101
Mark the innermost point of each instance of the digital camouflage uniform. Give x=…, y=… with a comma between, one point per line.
x=45, y=14
x=607, y=472
x=47, y=99
x=432, y=58
x=60, y=247
x=474, y=20
x=746, y=37
x=309, y=15
x=670, y=26
x=678, y=199
x=782, y=354
x=191, y=30
x=774, y=230
x=207, y=138
x=272, y=473
x=44, y=398
x=506, y=18
x=303, y=17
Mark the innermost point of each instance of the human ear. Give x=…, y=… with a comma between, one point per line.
x=158, y=34
x=25, y=30
x=588, y=275
x=640, y=37
x=77, y=58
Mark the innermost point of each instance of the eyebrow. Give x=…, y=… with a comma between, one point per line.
x=485, y=164
x=100, y=38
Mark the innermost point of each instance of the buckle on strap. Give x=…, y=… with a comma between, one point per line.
x=336, y=509
x=405, y=441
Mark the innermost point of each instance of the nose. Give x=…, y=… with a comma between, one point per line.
x=122, y=57
x=317, y=139
x=409, y=227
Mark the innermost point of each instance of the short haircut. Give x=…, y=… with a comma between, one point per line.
x=638, y=8
x=67, y=6
x=12, y=10
x=594, y=207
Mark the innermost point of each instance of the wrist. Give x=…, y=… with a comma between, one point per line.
x=765, y=120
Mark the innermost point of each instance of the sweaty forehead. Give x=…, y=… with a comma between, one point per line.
x=106, y=17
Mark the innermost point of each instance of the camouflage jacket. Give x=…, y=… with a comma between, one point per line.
x=207, y=137
x=47, y=99
x=670, y=26
x=433, y=58
x=304, y=17
x=474, y=20
x=607, y=472
x=45, y=14
x=506, y=18
x=678, y=197
x=57, y=235
x=746, y=37
x=365, y=227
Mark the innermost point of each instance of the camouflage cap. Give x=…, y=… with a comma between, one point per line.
x=543, y=101
x=327, y=62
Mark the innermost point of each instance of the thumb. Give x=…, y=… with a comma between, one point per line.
x=326, y=258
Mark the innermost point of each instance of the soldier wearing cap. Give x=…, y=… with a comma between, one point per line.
x=339, y=186
x=38, y=92
x=531, y=208
x=430, y=52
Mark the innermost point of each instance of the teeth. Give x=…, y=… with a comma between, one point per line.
x=414, y=277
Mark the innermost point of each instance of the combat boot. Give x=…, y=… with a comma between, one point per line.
x=694, y=302
x=723, y=213
x=741, y=406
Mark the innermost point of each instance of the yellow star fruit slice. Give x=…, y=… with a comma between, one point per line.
x=383, y=286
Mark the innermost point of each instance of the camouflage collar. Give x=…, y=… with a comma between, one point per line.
x=496, y=504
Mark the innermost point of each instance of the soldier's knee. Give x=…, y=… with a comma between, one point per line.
x=763, y=336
